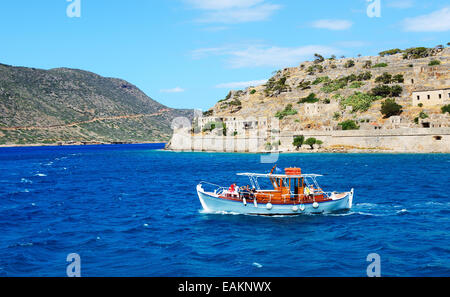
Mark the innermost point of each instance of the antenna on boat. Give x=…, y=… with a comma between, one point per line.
x=271, y=171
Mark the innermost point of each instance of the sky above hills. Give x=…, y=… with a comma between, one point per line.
x=189, y=53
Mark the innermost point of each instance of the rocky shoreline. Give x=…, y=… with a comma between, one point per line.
x=76, y=143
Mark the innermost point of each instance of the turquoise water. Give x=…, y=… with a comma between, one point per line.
x=130, y=210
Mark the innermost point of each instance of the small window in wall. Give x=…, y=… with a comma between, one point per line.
x=440, y=96
x=428, y=96
x=418, y=97
x=437, y=137
x=426, y=125
x=448, y=95
x=412, y=81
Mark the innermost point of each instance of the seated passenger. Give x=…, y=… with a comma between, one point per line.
x=307, y=191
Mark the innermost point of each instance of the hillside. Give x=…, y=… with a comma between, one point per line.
x=70, y=106
x=323, y=93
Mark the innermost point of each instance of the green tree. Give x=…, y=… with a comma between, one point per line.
x=390, y=108
x=416, y=53
x=311, y=98
x=445, y=108
x=434, y=63
x=367, y=64
x=386, y=91
x=298, y=141
x=311, y=142
x=398, y=78
x=318, y=58
x=287, y=111
x=380, y=65
x=349, y=64
x=386, y=78
x=349, y=125
x=390, y=52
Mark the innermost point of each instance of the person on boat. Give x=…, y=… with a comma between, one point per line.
x=232, y=188
x=307, y=191
x=253, y=192
x=246, y=192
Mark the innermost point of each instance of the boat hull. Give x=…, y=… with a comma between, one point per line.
x=212, y=203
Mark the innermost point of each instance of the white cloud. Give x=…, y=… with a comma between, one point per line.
x=275, y=56
x=263, y=56
x=242, y=15
x=215, y=29
x=332, y=24
x=233, y=11
x=174, y=90
x=241, y=84
x=222, y=4
x=401, y=4
x=204, y=52
x=353, y=43
x=437, y=21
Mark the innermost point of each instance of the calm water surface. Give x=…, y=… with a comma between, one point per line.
x=130, y=210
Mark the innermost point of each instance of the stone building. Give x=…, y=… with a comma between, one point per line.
x=435, y=121
x=431, y=97
x=235, y=124
x=319, y=109
x=396, y=122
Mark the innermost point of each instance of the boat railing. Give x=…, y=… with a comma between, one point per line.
x=300, y=198
x=217, y=190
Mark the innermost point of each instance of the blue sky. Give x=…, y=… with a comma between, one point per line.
x=189, y=53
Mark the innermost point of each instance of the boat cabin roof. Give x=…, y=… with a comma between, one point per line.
x=268, y=175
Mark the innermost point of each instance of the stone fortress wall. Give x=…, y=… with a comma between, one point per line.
x=403, y=140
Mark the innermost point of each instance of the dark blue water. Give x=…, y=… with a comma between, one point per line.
x=133, y=211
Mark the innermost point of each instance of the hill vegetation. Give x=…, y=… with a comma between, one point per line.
x=69, y=105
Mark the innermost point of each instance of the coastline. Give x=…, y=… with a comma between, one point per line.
x=75, y=144
x=318, y=151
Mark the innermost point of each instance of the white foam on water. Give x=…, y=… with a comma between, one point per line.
x=366, y=204
x=257, y=265
x=340, y=214
x=41, y=174
x=26, y=181
x=218, y=212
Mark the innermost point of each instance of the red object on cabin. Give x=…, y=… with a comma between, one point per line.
x=293, y=171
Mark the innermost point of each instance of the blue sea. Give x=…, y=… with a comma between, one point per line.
x=132, y=210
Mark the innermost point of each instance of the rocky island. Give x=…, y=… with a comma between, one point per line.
x=398, y=101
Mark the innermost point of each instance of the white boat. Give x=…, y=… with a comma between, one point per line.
x=293, y=193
